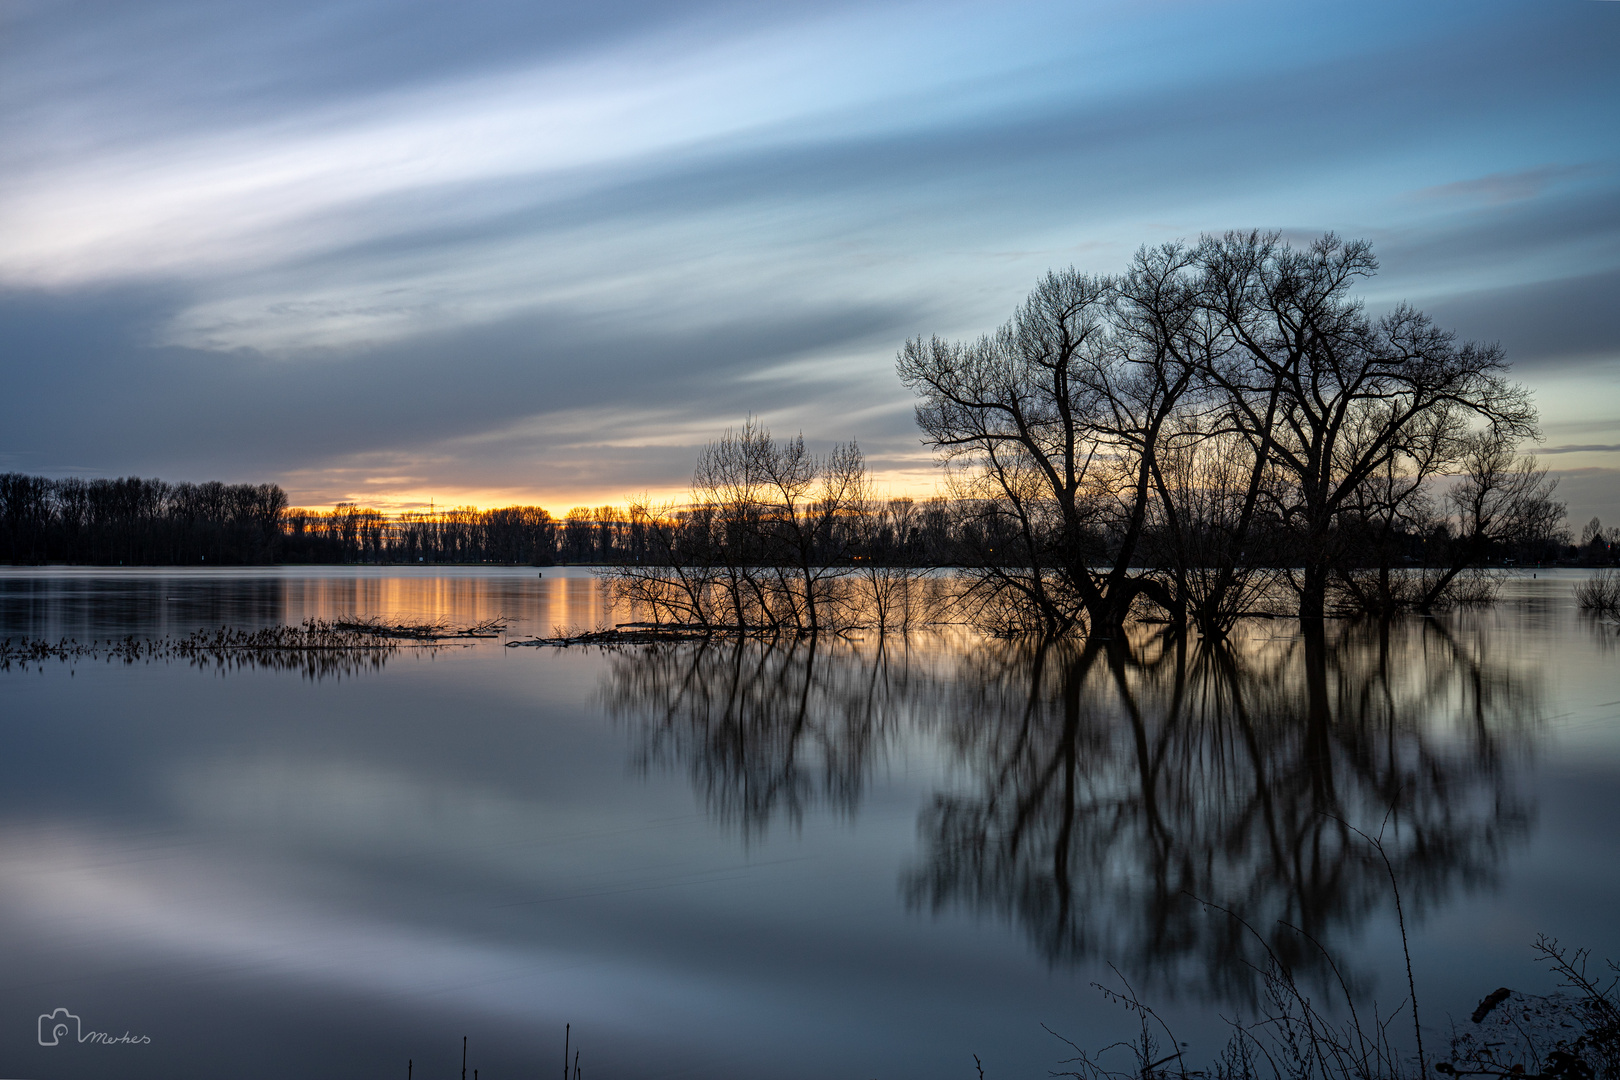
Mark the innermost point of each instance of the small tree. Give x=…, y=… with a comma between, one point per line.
x=762, y=544
x=1500, y=499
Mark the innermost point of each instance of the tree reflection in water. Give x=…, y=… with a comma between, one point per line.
x=767, y=729
x=1100, y=792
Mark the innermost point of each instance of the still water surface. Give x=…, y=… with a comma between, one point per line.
x=859, y=859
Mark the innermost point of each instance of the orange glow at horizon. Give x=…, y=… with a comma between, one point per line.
x=914, y=483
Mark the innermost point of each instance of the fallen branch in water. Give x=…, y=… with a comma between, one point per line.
x=623, y=634
x=438, y=630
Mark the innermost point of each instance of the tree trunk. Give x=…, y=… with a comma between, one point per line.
x=1318, y=718
x=1313, y=592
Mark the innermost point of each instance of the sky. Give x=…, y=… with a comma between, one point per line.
x=534, y=252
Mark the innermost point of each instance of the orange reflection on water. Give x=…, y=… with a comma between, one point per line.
x=535, y=601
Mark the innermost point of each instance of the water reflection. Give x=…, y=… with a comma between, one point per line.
x=1097, y=794
x=90, y=604
x=767, y=729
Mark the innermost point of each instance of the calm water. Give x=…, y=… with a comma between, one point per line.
x=843, y=860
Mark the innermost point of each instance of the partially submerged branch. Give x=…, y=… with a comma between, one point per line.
x=433, y=630
x=622, y=634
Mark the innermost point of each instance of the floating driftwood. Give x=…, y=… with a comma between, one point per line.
x=647, y=633
x=631, y=633
x=437, y=630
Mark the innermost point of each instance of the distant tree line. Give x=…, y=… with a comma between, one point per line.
x=138, y=522
x=134, y=521
x=149, y=522
x=348, y=533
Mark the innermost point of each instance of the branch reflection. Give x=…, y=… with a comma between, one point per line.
x=1098, y=793
x=767, y=729
x=1110, y=787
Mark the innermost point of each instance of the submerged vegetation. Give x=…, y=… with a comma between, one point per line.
x=316, y=647
x=774, y=539
x=1600, y=593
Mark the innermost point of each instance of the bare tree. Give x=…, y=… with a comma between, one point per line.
x=763, y=544
x=1500, y=499
x=1593, y=530
x=1335, y=398
x=1209, y=483
x=1057, y=420
x=678, y=580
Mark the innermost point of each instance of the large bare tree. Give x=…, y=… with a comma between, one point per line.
x=1335, y=399
x=1159, y=435
x=1059, y=418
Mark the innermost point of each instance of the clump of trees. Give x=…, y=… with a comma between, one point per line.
x=513, y=535
x=140, y=522
x=1598, y=546
x=132, y=521
x=1221, y=420
x=773, y=538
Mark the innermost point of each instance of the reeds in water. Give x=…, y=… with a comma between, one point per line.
x=315, y=647
x=1600, y=593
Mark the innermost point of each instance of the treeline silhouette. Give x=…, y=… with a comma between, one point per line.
x=1217, y=432
x=513, y=535
x=135, y=521
x=149, y=522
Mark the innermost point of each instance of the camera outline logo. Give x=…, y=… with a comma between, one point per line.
x=56, y=1023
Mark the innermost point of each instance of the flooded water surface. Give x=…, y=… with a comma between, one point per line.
x=858, y=858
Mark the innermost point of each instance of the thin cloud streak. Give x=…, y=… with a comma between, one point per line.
x=1504, y=187
x=225, y=198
